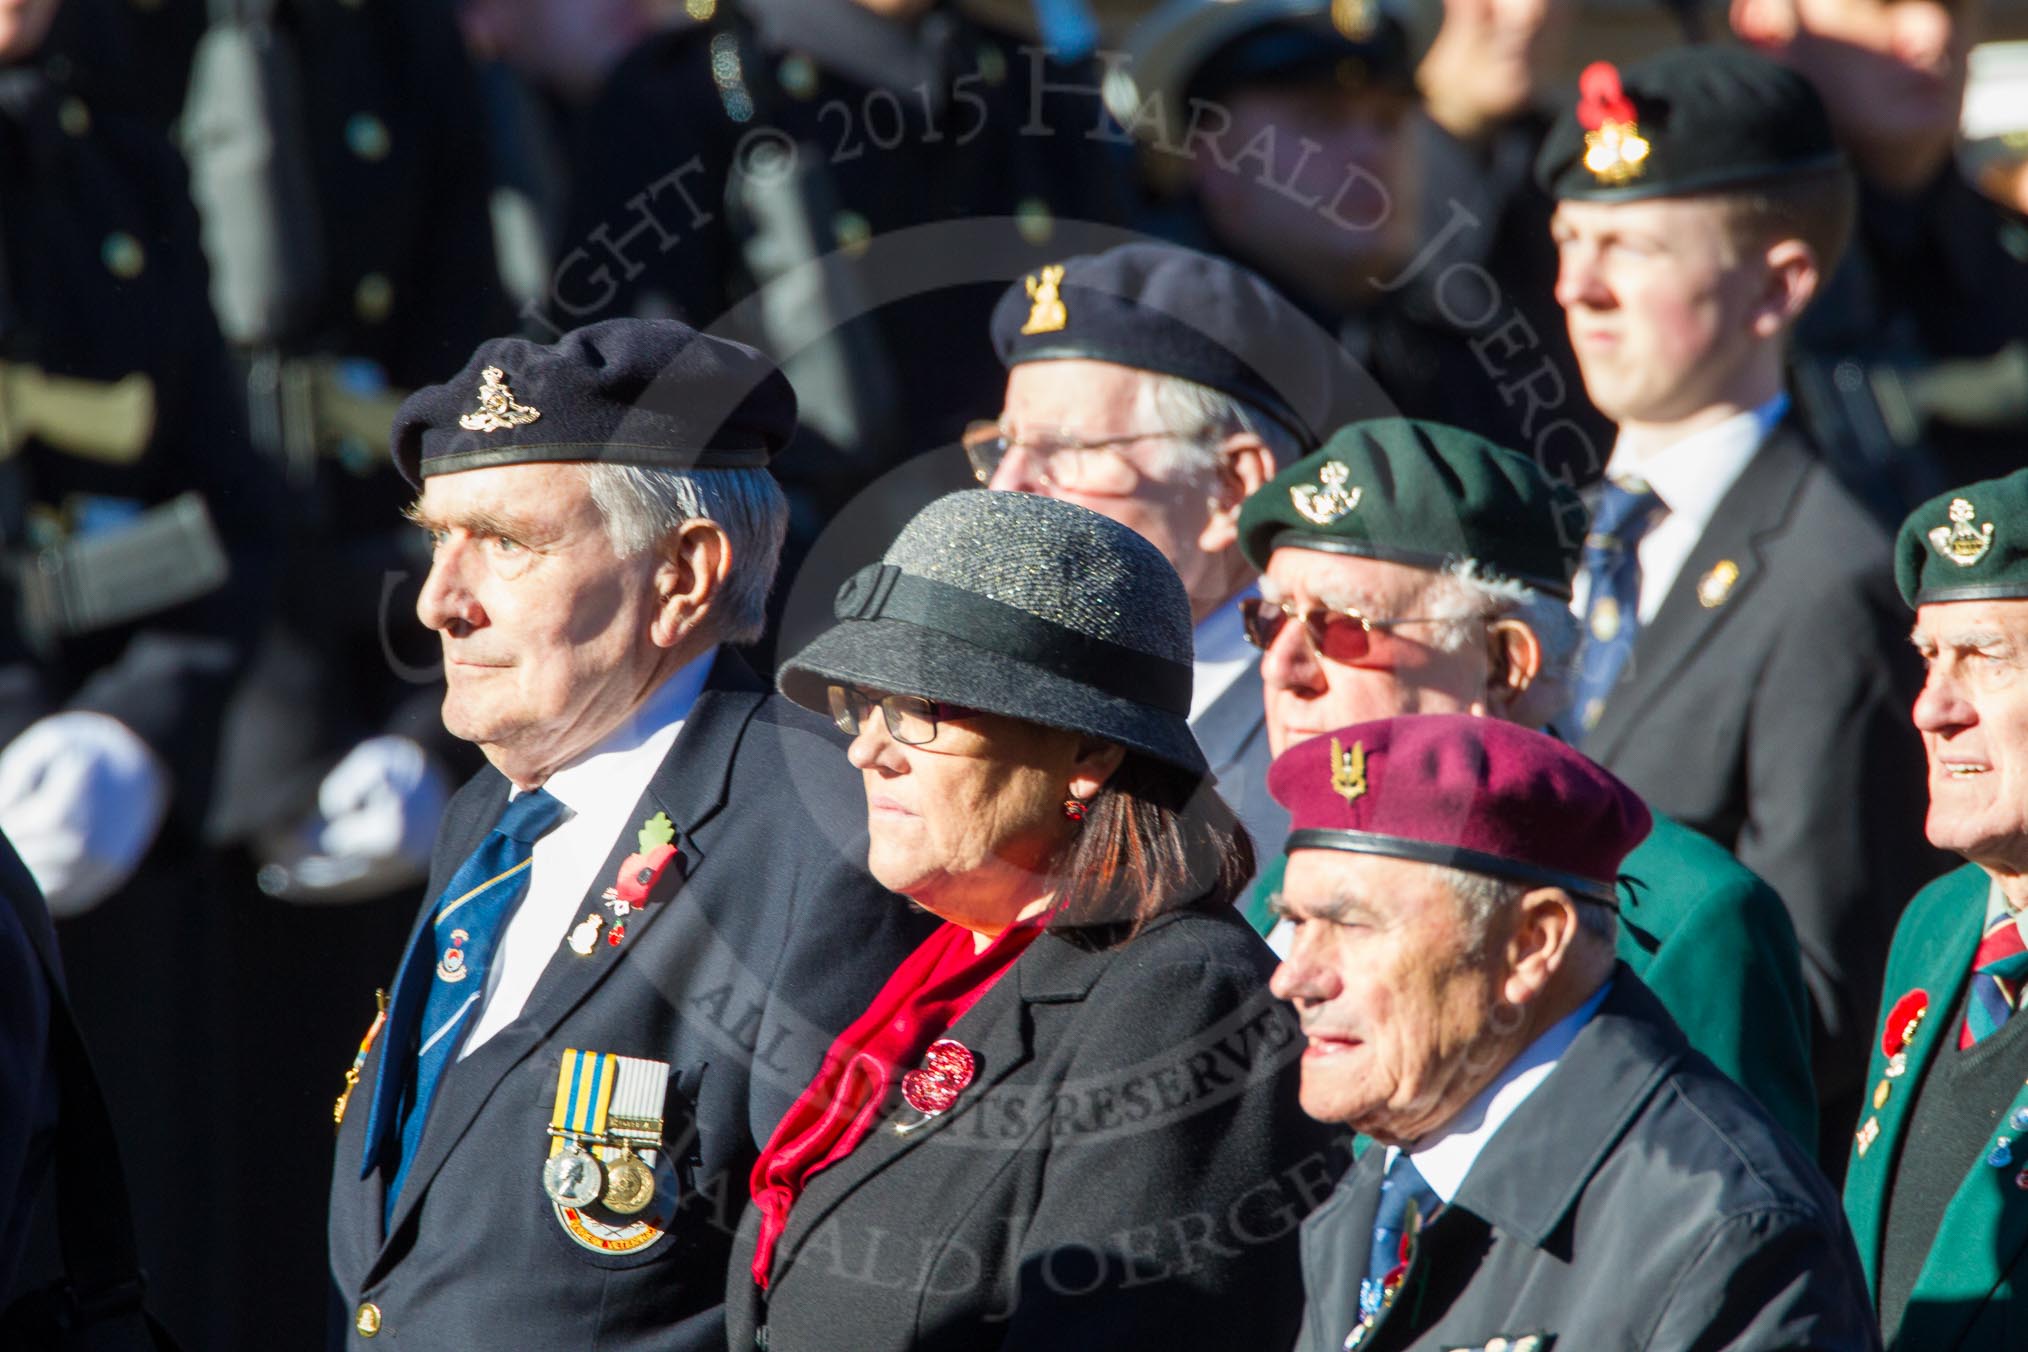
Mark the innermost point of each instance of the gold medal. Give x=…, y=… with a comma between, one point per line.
x=630, y=1185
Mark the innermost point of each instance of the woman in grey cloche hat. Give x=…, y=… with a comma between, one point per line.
x=1070, y=1117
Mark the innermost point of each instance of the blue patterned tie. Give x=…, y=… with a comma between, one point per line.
x=1403, y=1188
x=1612, y=563
x=463, y=935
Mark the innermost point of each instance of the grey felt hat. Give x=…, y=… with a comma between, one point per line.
x=1020, y=605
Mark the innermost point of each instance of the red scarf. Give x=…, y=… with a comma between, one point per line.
x=929, y=992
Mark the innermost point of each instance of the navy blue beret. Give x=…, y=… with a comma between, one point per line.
x=1690, y=120
x=624, y=391
x=1158, y=307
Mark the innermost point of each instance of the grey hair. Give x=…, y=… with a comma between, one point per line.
x=1466, y=595
x=1201, y=417
x=641, y=507
x=1481, y=897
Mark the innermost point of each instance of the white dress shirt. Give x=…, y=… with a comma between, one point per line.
x=1221, y=653
x=1443, y=1159
x=1691, y=477
x=599, y=788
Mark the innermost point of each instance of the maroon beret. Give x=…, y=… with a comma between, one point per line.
x=1468, y=793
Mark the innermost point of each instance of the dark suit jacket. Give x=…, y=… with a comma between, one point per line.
x=1775, y=721
x=1637, y=1199
x=738, y=976
x=1127, y=1170
x=1233, y=733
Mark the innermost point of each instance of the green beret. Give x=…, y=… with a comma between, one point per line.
x=1957, y=547
x=1425, y=494
x=1691, y=120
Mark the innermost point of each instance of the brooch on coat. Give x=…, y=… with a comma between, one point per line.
x=931, y=1088
x=639, y=873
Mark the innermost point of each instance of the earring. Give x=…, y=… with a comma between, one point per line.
x=1073, y=808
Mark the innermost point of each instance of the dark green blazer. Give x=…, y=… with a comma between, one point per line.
x=1716, y=946
x=1965, y=1295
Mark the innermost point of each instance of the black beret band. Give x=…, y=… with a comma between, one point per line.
x=1452, y=856
x=612, y=452
x=882, y=591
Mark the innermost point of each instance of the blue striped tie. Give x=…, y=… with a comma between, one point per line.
x=463, y=935
x=1612, y=607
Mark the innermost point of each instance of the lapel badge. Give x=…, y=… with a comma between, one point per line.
x=639, y=872
x=1716, y=585
x=497, y=409
x=1898, y=1033
x=1614, y=149
x=931, y=1088
x=451, y=966
x=1328, y=499
x=1348, y=771
x=1867, y=1135
x=1355, y=19
x=1961, y=542
x=585, y=935
x=1046, y=314
x=2002, y=1153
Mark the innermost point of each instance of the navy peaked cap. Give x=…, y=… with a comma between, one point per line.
x=624, y=391
x=1159, y=307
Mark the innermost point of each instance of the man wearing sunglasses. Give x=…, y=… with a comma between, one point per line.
x=1160, y=387
x=1409, y=567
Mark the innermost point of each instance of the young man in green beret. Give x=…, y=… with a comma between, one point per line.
x=1744, y=665
x=1410, y=567
x=1937, y=1187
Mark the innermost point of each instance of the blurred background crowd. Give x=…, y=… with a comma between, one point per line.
x=234, y=233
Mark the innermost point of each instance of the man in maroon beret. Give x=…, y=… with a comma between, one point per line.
x=1554, y=1166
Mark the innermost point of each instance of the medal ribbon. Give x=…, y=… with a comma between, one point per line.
x=584, y=1092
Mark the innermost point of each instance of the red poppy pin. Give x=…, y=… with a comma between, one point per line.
x=1898, y=1033
x=640, y=871
x=947, y=1067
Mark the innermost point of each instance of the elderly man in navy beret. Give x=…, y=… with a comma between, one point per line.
x=1554, y=1166
x=641, y=930
x=1160, y=387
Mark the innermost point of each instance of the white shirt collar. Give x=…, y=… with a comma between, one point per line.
x=1445, y=1158
x=1221, y=652
x=1691, y=476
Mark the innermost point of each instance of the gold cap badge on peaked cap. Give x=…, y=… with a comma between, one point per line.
x=1047, y=314
x=1328, y=499
x=1348, y=771
x=1961, y=542
x=497, y=409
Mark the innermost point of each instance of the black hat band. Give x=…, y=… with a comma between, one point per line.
x=1452, y=856
x=1416, y=558
x=881, y=591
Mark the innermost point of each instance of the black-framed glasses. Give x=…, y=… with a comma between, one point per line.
x=911, y=719
x=1088, y=465
x=1341, y=635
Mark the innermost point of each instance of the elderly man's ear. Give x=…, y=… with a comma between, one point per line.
x=1513, y=662
x=695, y=562
x=1539, y=946
x=1247, y=463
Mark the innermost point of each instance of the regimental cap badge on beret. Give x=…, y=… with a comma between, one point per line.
x=1962, y=542
x=1328, y=499
x=1614, y=149
x=497, y=409
x=1047, y=314
x=1348, y=770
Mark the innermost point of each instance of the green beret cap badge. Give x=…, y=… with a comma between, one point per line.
x=1961, y=542
x=1614, y=149
x=1328, y=499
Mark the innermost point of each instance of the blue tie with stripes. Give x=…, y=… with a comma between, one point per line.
x=1612, y=610
x=464, y=933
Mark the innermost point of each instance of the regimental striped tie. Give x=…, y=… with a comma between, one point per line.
x=463, y=935
x=1612, y=568
x=1997, y=972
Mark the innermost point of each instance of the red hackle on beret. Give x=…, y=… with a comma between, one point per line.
x=1472, y=793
